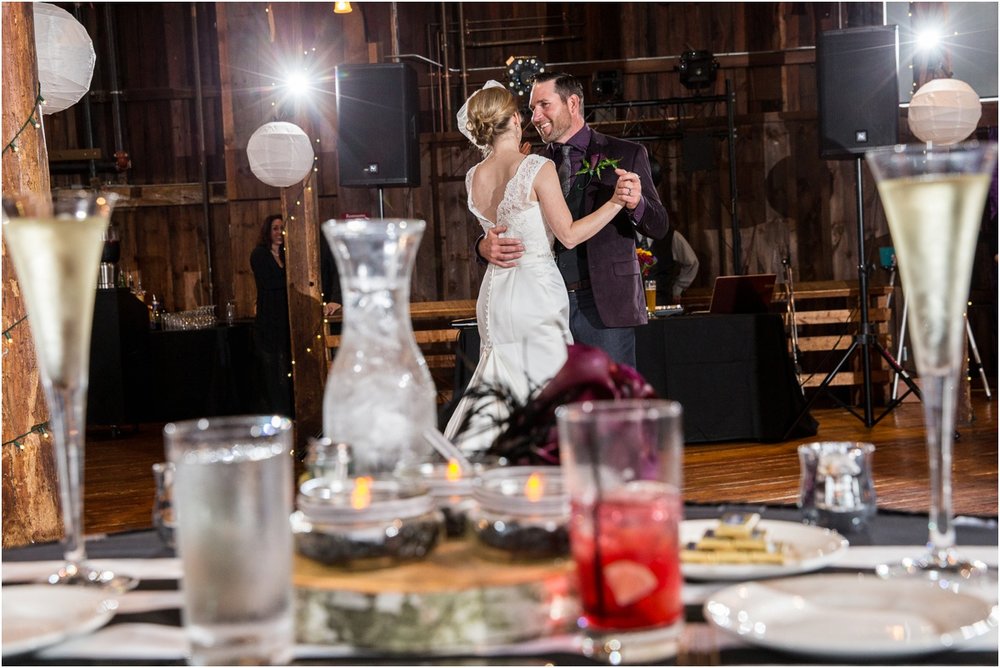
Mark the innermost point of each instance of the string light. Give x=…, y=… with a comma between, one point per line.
x=42, y=429
x=32, y=121
x=6, y=332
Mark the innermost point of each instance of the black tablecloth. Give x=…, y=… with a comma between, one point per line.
x=732, y=374
x=887, y=528
x=201, y=373
x=119, y=359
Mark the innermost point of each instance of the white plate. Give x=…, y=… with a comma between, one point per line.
x=850, y=616
x=36, y=616
x=810, y=548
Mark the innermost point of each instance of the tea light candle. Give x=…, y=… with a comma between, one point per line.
x=522, y=513
x=451, y=489
x=365, y=523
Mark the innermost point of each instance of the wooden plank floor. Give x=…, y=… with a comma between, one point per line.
x=119, y=482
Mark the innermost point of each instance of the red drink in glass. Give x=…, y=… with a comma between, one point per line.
x=639, y=581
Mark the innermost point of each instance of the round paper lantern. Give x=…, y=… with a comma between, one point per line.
x=65, y=57
x=944, y=111
x=280, y=154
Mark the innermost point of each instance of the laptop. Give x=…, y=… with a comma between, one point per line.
x=742, y=294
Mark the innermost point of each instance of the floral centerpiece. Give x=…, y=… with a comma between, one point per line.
x=529, y=434
x=646, y=260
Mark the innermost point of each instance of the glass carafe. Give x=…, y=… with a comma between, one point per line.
x=379, y=397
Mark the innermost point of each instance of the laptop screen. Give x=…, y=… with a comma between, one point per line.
x=743, y=294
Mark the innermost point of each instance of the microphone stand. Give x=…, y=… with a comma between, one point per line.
x=866, y=341
x=794, y=327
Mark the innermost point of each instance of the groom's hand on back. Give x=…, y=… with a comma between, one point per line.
x=501, y=251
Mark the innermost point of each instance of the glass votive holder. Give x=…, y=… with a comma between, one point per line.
x=521, y=513
x=451, y=489
x=836, y=489
x=364, y=523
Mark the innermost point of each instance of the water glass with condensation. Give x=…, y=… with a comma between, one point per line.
x=232, y=499
x=621, y=463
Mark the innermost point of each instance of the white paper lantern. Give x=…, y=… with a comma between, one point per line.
x=280, y=154
x=65, y=57
x=944, y=111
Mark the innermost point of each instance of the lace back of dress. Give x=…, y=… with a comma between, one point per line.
x=524, y=179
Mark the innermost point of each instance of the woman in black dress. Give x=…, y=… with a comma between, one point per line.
x=272, y=342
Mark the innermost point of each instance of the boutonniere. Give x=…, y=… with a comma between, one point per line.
x=597, y=164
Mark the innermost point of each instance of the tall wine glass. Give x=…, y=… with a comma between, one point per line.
x=55, y=243
x=933, y=198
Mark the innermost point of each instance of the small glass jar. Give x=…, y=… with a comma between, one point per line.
x=522, y=513
x=451, y=489
x=326, y=459
x=364, y=523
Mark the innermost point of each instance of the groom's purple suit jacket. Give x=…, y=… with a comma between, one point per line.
x=615, y=276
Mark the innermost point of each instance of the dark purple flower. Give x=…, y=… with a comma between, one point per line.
x=531, y=437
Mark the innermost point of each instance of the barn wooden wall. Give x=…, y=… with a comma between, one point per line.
x=156, y=60
x=790, y=203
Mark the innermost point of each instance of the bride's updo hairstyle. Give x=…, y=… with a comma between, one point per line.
x=490, y=112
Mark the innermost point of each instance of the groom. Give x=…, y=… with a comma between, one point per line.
x=602, y=276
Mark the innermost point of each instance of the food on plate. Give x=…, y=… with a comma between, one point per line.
x=735, y=540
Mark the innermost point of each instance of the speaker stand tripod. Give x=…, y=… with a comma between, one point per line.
x=381, y=202
x=865, y=340
x=973, y=349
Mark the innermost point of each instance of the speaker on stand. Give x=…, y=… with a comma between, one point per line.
x=858, y=111
x=378, y=130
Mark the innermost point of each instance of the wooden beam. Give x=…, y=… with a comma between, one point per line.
x=168, y=194
x=300, y=207
x=156, y=94
x=31, y=510
x=71, y=154
x=305, y=309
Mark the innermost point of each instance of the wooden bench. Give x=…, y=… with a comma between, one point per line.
x=434, y=335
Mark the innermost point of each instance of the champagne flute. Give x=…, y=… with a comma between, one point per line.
x=933, y=198
x=55, y=243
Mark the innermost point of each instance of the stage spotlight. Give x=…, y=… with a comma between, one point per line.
x=928, y=39
x=520, y=72
x=341, y=8
x=607, y=85
x=298, y=83
x=697, y=69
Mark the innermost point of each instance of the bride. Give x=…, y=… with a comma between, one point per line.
x=522, y=311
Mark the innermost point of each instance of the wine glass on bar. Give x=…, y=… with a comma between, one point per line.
x=933, y=198
x=55, y=242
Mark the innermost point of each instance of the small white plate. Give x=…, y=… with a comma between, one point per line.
x=810, y=548
x=850, y=616
x=36, y=616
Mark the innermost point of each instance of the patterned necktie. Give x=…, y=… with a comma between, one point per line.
x=565, y=170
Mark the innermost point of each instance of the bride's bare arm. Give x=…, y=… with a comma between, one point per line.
x=570, y=232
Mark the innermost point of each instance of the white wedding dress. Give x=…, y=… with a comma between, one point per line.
x=522, y=312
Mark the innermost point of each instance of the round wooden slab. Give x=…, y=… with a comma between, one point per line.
x=452, y=601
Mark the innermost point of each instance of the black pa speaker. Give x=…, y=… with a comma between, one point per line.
x=858, y=93
x=379, y=141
